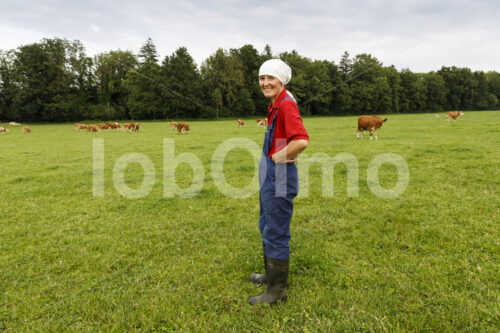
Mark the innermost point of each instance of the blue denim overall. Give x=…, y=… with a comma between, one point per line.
x=278, y=187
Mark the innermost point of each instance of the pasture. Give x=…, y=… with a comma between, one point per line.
x=428, y=260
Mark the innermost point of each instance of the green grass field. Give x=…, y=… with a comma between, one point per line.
x=428, y=260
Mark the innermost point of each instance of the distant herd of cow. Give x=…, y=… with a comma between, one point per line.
x=182, y=127
x=132, y=127
x=365, y=123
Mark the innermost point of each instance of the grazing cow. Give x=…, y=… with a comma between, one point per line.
x=173, y=125
x=13, y=123
x=114, y=125
x=262, y=122
x=134, y=127
x=183, y=126
x=371, y=123
x=93, y=128
x=453, y=115
x=103, y=126
x=26, y=130
x=240, y=122
x=3, y=130
x=436, y=116
x=80, y=126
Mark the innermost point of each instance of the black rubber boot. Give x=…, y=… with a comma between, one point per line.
x=277, y=275
x=257, y=278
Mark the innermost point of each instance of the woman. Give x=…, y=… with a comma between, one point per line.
x=285, y=138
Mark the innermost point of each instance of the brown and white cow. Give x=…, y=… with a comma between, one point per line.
x=103, y=126
x=114, y=125
x=173, y=125
x=134, y=127
x=80, y=126
x=3, y=130
x=240, y=122
x=371, y=123
x=93, y=128
x=26, y=130
x=453, y=115
x=262, y=122
x=183, y=126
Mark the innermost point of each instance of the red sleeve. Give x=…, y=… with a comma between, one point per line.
x=294, y=128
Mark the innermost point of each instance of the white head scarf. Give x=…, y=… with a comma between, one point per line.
x=277, y=68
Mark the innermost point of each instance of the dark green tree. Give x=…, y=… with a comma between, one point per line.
x=251, y=61
x=148, y=52
x=224, y=71
x=182, y=82
x=144, y=98
x=436, y=92
x=234, y=83
x=8, y=88
x=298, y=85
x=394, y=81
x=320, y=86
x=382, y=102
x=481, y=97
x=217, y=101
x=212, y=73
x=413, y=92
x=345, y=67
x=267, y=54
x=460, y=87
x=110, y=71
x=366, y=85
x=54, y=79
x=493, y=79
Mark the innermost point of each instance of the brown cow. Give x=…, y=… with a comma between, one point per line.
x=453, y=115
x=3, y=130
x=134, y=127
x=114, y=125
x=173, y=125
x=262, y=122
x=103, y=126
x=80, y=126
x=26, y=130
x=93, y=128
x=183, y=126
x=127, y=126
x=371, y=123
x=240, y=122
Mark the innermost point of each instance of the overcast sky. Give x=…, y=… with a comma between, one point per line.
x=421, y=35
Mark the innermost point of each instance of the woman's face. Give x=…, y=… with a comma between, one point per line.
x=271, y=86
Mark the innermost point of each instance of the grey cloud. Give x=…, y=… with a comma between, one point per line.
x=421, y=35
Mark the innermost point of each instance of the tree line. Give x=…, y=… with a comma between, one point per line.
x=55, y=80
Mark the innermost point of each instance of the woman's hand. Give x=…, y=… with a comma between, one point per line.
x=279, y=159
x=290, y=152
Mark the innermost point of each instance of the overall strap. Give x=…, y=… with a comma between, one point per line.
x=278, y=108
x=271, y=127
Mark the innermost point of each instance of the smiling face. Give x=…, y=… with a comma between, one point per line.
x=271, y=86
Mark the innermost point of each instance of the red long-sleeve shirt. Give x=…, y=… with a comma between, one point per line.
x=289, y=124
